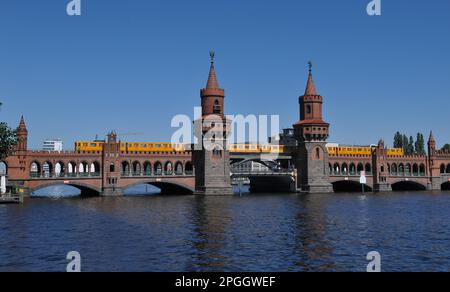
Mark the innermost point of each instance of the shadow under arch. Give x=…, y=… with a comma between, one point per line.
x=445, y=186
x=349, y=186
x=86, y=190
x=408, y=186
x=167, y=188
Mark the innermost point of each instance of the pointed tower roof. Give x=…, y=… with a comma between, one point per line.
x=431, y=137
x=212, y=79
x=22, y=123
x=310, y=88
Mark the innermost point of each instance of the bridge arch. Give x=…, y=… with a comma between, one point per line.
x=408, y=185
x=446, y=186
x=72, y=168
x=352, y=169
x=349, y=186
x=394, y=169
x=3, y=167
x=360, y=168
x=83, y=168
x=86, y=190
x=167, y=188
x=368, y=169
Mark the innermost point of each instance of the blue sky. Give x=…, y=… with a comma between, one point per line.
x=133, y=65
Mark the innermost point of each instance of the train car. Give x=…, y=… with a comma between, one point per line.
x=360, y=150
x=138, y=147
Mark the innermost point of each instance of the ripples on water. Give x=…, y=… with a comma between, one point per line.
x=276, y=232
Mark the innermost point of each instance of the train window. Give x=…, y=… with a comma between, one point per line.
x=93, y=144
x=157, y=145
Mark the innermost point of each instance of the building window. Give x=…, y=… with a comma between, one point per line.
x=308, y=109
x=217, y=109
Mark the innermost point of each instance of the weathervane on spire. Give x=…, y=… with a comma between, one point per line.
x=310, y=64
x=212, y=55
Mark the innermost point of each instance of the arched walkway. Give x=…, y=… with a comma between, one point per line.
x=189, y=168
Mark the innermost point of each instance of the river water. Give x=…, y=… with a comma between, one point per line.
x=272, y=232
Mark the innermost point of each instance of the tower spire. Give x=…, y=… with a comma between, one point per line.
x=212, y=79
x=310, y=88
x=22, y=123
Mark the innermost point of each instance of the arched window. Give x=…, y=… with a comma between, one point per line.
x=442, y=168
x=179, y=168
x=95, y=168
x=360, y=168
x=448, y=168
x=408, y=170
x=188, y=168
x=401, y=169
x=125, y=168
x=422, y=170
x=318, y=153
x=72, y=169
x=47, y=169
x=60, y=170
x=344, y=169
x=158, y=168
x=368, y=169
x=415, y=169
x=217, y=108
x=136, y=168
x=337, y=169
x=147, y=168
x=112, y=168
x=308, y=109
x=394, y=169
x=35, y=170
x=352, y=169
x=168, y=168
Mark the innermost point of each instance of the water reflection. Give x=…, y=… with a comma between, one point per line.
x=275, y=232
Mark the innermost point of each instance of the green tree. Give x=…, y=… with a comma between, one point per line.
x=411, y=145
x=420, y=144
x=8, y=139
x=398, y=140
x=405, y=142
x=446, y=147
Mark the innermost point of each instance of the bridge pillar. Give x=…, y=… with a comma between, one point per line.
x=111, y=192
x=380, y=169
x=312, y=133
x=312, y=168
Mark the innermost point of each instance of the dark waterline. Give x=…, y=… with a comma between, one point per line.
x=274, y=232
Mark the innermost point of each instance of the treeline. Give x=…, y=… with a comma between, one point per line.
x=409, y=146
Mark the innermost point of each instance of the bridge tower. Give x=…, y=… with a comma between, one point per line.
x=312, y=133
x=111, y=167
x=434, y=168
x=211, y=155
x=22, y=149
x=380, y=169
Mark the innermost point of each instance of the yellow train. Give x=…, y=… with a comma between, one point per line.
x=361, y=150
x=95, y=146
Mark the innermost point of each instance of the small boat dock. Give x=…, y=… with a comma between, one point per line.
x=11, y=199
